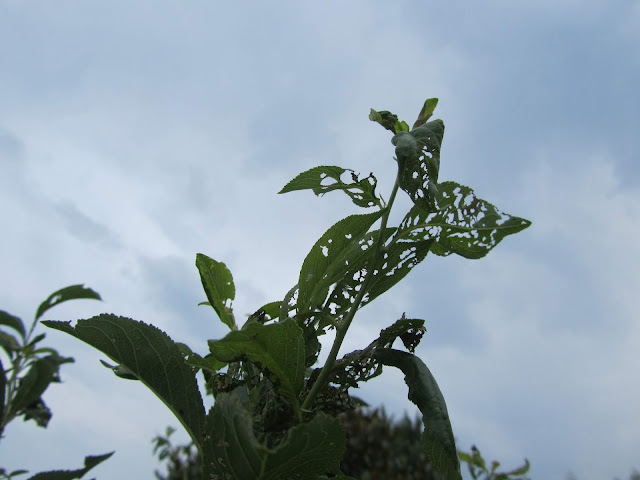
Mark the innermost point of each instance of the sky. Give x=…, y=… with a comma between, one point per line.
x=134, y=135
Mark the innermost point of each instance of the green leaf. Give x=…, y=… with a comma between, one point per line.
x=152, y=356
x=3, y=386
x=278, y=347
x=218, y=285
x=9, y=343
x=325, y=179
x=73, y=292
x=388, y=120
x=208, y=362
x=520, y=470
x=120, y=371
x=310, y=450
x=462, y=224
x=418, y=155
x=13, y=322
x=437, y=439
x=41, y=373
x=426, y=112
x=89, y=463
x=342, y=246
x=271, y=310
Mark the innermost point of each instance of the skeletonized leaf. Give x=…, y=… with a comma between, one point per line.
x=151, y=356
x=437, y=438
x=278, y=347
x=462, y=224
x=218, y=285
x=89, y=463
x=72, y=292
x=342, y=246
x=324, y=179
x=13, y=322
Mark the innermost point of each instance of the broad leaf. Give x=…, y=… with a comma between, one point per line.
x=462, y=224
x=9, y=343
x=151, y=356
x=41, y=373
x=13, y=322
x=208, y=363
x=342, y=246
x=325, y=179
x=218, y=285
x=418, y=155
x=388, y=120
x=437, y=438
x=310, y=450
x=73, y=292
x=278, y=347
x=89, y=463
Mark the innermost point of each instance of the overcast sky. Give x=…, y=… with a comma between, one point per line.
x=134, y=135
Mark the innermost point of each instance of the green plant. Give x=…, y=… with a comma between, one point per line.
x=30, y=370
x=275, y=416
x=478, y=469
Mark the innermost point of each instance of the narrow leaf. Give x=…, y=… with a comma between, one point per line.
x=41, y=373
x=278, y=347
x=153, y=358
x=437, y=438
x=9, y=343
x=3, y=386
x=13, y=322
x=426, y=112
x=329, y=259
x=89, y=463
x=324, y=179
x=218, y=285
x=73, y=292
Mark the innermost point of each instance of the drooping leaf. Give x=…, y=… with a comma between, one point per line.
x=418, y=155
x=72, y=292
x=437, y=438
x=461, y=224
x=278, y=347
x=9, y=343
x=89, y=463
x=388, y=120
x=153, y=358
x=218, y=285
x=13, y=322
x=41, y=373
x=342, y=246
x=310, y=450
x=426, y=112
x=38, y=412
x=325, y=179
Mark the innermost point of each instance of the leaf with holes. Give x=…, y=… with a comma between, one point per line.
x=151, y=356
x=342, y=246
x=325, y=179
x=463, y=224
x=418, y=155
x=437, y=438
x=73, y=292
x=218, y=285
x=278, y=347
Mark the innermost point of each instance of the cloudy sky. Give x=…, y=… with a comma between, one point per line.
x=134, y=135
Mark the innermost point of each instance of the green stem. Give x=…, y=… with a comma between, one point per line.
x=341, y=329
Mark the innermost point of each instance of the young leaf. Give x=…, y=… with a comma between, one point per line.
x=333, y=254
x=89, y=463
x=278, y=347
x=418, y=155
x=324, y=179
x=218, y=285
x=426, y=112
x=73, y=292
x=437, y=438
x=13, y=322
x=462, y=224
x=152, y=356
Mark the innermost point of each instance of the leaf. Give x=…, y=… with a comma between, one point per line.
x=218, y=285
x=41, y=373
x=89, y=463
x=388, y=120
x=520, y=470
x=73, y=292
x=208, y=362
x=13, y=322
x=418, y=155
x=462, y=224
x=9, y=343
x=309, y=451
x=324, y=179
x=437, y=438
x=332, y=255
x=278, y=347
x=38, y=412
x=152, y=356
x=3, y=386
x=426, y=112
x=120, y=371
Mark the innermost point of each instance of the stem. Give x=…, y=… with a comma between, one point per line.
x=341, y=329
